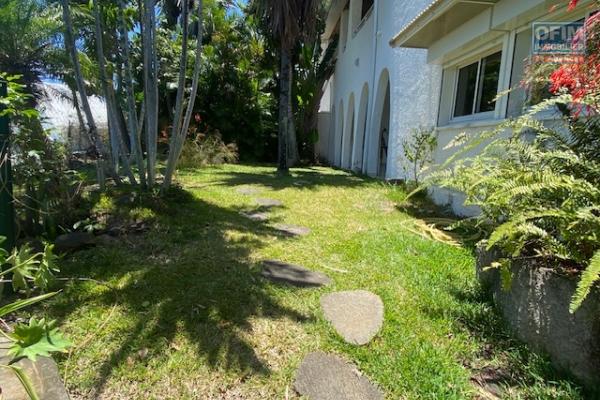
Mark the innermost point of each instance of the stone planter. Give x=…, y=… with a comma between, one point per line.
x=537, y=309
x=43, y=375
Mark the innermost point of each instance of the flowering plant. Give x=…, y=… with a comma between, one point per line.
x=582, y=79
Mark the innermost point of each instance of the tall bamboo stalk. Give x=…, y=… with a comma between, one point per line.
x=109, y=96
x=150, y=87
x=95, y=140
x=190, y=107
x=178, y=115
x=132, y=117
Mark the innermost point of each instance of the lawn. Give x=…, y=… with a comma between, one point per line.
x=181, y=311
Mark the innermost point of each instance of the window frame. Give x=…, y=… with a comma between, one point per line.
x=476, y=116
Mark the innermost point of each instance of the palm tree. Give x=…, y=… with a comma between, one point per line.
x=288, y=22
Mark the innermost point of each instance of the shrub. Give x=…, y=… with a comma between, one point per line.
x=418, y=151
x=207, y=150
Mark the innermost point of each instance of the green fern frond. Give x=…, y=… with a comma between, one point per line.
x=589, y=277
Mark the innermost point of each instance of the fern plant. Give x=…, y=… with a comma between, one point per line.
x=538, y=188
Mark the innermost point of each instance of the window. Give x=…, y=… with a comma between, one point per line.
x=478, y=86
x=366, y=7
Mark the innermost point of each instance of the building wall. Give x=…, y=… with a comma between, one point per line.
x=365, y=64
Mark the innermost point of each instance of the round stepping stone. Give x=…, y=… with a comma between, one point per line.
x=255, y=215
x=278, y=271
x=269, y=202
x=292, y=230
x=323, y=376
x=247, y=190
x=356, y=315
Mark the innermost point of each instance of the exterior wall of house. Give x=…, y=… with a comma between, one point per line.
x=376, y=90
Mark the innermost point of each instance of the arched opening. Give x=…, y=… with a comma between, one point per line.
x=331, y=136
x=361, y=129
x=338, y=136
x=348, y=139
x=384, y=135
x=377, y=157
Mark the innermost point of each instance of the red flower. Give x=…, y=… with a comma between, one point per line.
x=573, y=4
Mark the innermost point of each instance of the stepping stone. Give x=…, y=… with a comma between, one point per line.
x=269, y=203
x=278, y=271
x=247, y=190
x=323, y=376
x=255, y=215
x=356, y=315
x=43, y=374
x=292, y=230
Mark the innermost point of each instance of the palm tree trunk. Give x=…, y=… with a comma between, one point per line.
x=285, y=86
x=95, y=140
x=132, y=117
x=109, y=96
x=190, y=108
x=150, y=88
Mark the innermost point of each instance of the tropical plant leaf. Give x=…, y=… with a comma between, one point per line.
x=17, y=305
x=23, y=265
x=589, y=277
x=38, y=338
x=44, y=276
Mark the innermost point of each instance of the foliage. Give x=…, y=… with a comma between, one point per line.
x=29, y=271
x=538, y=192
x=418, y=151
x=207, y=150
x=47, y=191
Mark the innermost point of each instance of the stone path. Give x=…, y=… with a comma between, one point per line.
x=278, y=271
x=356, y=315
x=255, y=215
x=248, y=190
x=268, y=203
x=323, y=376
x=292, y=230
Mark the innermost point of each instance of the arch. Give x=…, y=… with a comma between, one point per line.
x=361, y=130
x=380, y=124
x=348, y=137
x=330, y=155
x=338, y=136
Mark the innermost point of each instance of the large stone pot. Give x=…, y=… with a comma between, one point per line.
x=537, y=309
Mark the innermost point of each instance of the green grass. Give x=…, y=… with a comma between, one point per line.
x=184, y=313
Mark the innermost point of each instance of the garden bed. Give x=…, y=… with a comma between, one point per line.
x=537, y=308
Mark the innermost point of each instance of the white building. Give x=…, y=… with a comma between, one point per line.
x=407, y=64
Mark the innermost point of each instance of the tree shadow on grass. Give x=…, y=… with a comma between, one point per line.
x=191, y=274
x=299, y=178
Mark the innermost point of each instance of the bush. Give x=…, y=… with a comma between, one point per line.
x=539, y=188
x=207, y=150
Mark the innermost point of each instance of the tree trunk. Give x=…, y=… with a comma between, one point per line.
x=132, y=117
x=285, y=85
x=178, y=115
x=109, y=96
x=95, y=140
x=150, y=88
x=190, y=108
